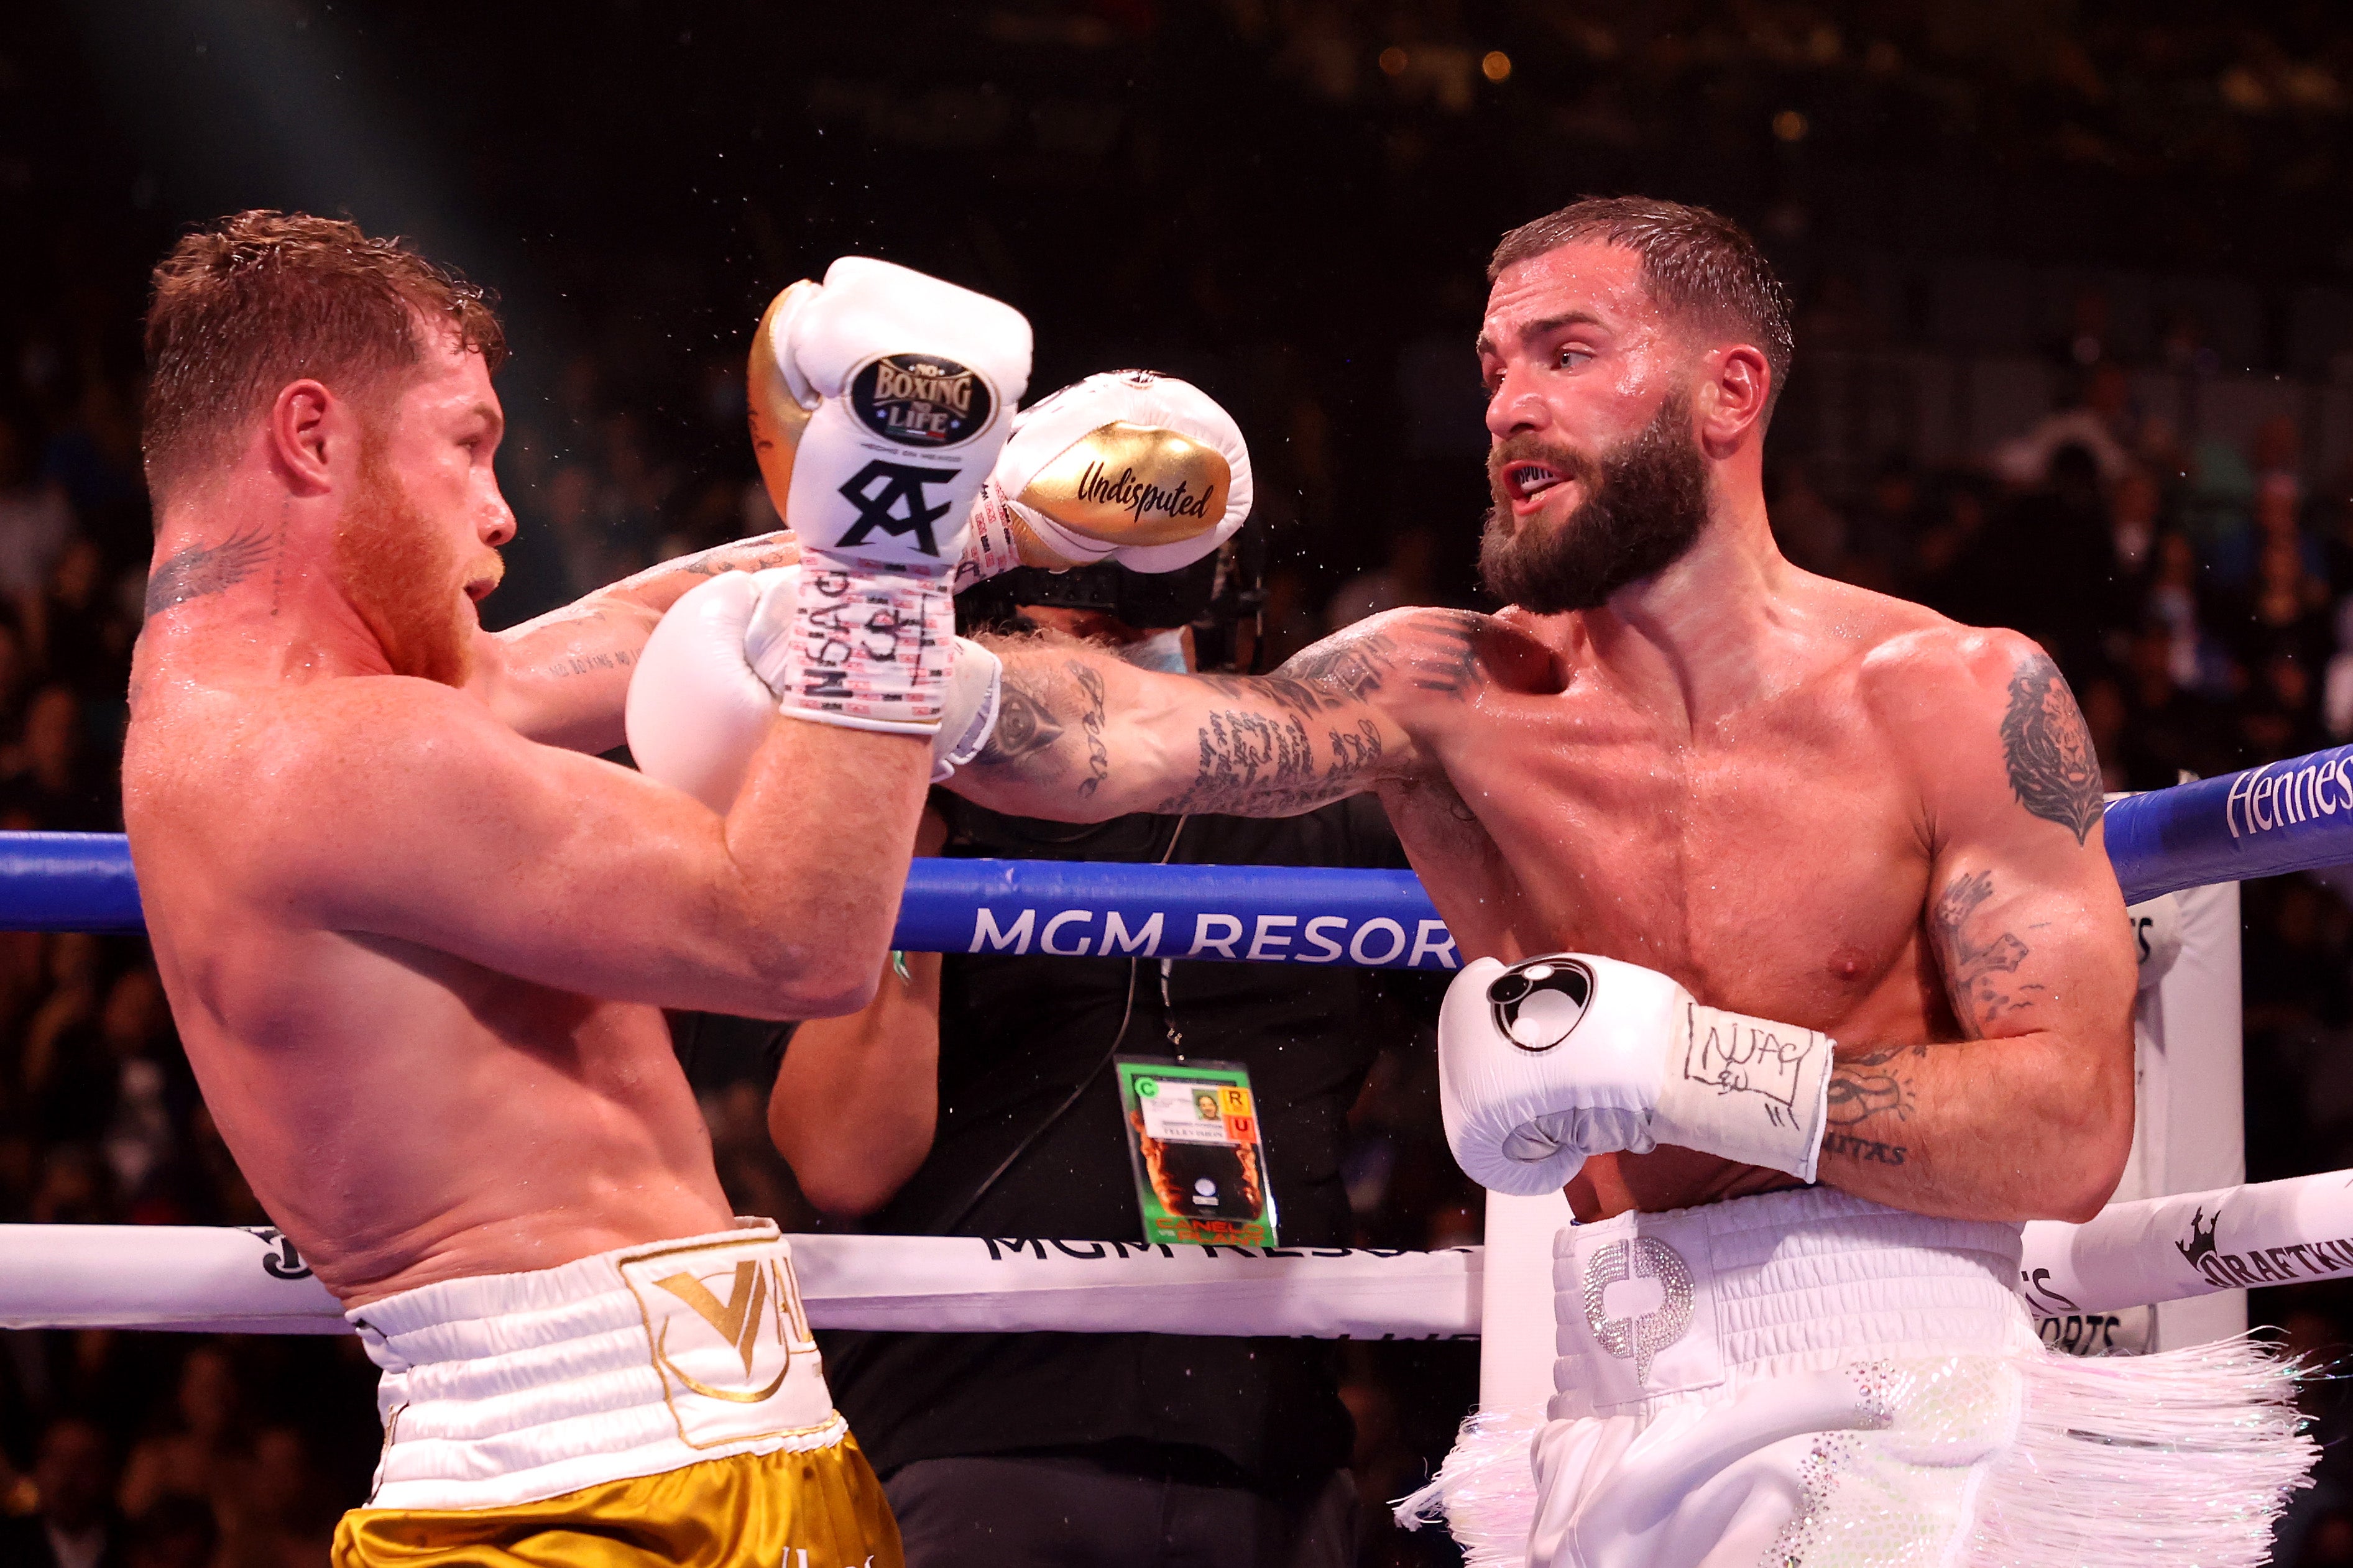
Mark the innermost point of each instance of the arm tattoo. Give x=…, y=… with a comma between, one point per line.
x=1254, y=765
x=754, y=554
x=1867, y=1087
x=1861, y=1088
x=1025, y=725
x=1091, y=723
x=1981, y=977
x=203, y=569
x=1435, y=650
x=2052, y=769
x=574, y=664
x=1442, y=652
x=1868, y=1151
x=1352, y=666
x=1250, y=760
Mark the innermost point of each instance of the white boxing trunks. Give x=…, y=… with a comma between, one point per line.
x=661, y=1403
x=1807, y=1378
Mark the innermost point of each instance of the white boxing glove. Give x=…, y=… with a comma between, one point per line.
x=909, y=385
x=1128, y=466
x=879, y=400
x=1545, y=1061
x=697, y=711
x=699, y=705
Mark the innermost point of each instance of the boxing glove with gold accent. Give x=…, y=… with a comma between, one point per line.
x=879, y=400
x=1128, y=466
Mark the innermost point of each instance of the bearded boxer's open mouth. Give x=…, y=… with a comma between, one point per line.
x=1527, y=482
x=478, y=588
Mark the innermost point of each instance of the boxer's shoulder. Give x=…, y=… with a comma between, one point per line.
x=253, y=783
x=1943, y=667
x=1951, y=701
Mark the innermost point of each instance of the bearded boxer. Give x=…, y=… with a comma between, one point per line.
x=417, y=944
x=1829, y=872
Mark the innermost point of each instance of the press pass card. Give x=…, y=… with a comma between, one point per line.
x=1201, y=1165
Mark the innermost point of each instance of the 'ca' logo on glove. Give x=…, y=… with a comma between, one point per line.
x=1538, y=1001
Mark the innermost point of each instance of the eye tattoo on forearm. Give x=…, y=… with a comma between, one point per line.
x=2054, y=771
x=1025, y=726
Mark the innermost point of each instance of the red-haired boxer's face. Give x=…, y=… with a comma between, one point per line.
x=418, y=548
x=1595, y=469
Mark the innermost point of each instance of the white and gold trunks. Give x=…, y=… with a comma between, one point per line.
x=1805, y=1379
x=657, y=1403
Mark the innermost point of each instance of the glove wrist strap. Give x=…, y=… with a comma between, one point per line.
x=1747, y=1088
x=870, y=648
x=976, y=692
x=994, y=547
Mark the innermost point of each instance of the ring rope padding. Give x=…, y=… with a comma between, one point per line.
x=2292, y=816
x=210, y=1280
x=2283, y=817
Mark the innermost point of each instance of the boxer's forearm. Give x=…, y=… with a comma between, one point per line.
x=820, y=839
x=562, y=677
x=856, y=1100
x=1083, y=736
x=2031, y=1126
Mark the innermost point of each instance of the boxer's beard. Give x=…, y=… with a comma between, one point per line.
x=1645, y=503
x=401, y=575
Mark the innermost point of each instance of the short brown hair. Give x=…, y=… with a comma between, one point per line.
x=264, y=298
x=1695, y=262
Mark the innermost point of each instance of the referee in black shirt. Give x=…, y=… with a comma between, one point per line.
x=977, y=1097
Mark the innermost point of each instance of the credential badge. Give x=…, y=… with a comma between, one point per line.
x=1638, y=1339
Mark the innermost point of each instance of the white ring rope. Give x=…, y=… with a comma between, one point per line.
x=220, y=1281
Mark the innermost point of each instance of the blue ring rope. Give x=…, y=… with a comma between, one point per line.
x=2292, y=816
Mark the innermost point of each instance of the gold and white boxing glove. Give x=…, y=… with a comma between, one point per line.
x=1545, y=1061
x=1128, y=466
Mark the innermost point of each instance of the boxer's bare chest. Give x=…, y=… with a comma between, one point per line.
x=1773, y=862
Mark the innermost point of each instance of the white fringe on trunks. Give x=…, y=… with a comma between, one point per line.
x=1863, y=1388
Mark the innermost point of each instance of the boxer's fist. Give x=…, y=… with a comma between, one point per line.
x=697, y=709
x=702, y=696
x=1128, y=466
x=1544, y=1062
x=879, y=400
x=969, y=695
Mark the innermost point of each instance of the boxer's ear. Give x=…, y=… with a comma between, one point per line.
x=1737, y=384
x=297, y=425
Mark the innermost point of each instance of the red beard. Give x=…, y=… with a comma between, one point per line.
x=401, y=576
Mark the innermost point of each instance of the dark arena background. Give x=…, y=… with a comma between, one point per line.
x=2074, y=324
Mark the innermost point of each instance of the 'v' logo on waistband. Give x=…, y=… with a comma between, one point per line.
x=738, y=1319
